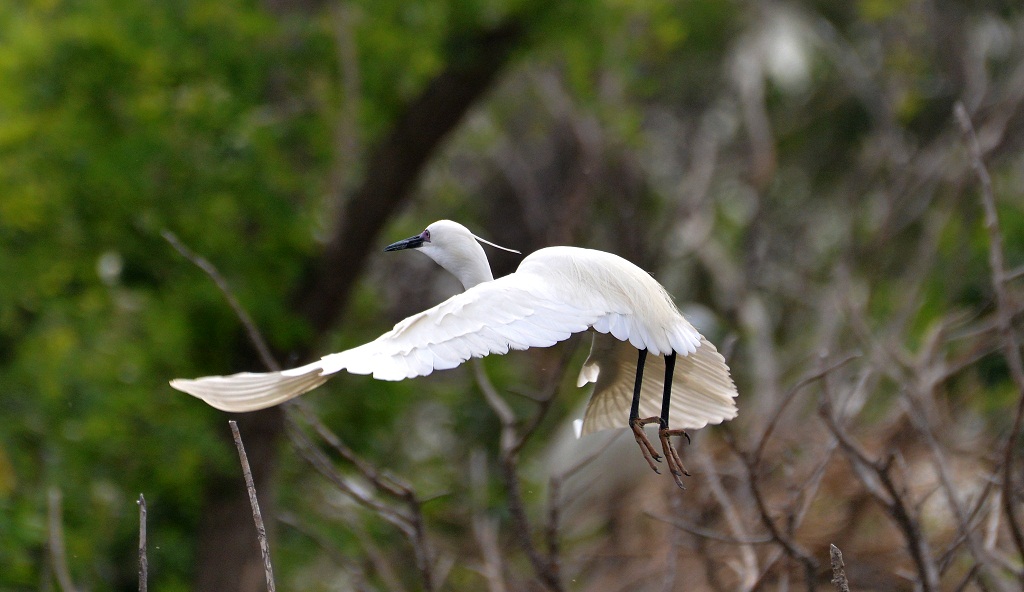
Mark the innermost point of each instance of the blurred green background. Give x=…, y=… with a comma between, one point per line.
x=792, y=168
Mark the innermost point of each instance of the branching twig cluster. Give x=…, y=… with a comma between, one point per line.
x=512, y=440
x=387, y=496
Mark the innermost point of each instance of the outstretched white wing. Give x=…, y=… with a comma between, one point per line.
x=490, y=318
x=515, y=312
x=702, y=391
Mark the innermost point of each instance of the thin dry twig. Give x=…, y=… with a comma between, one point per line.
x=250, y=327
x=388, y=484
x=58, y=556
x=319, y=461
x=352, y=568
x=1004, y=316
x=708, y=534
x=143, y=559
x=838, y=573
x=261, y=530
x=818, y=375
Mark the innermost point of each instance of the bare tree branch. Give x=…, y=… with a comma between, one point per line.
x=876, y=476
x=792, y=548
x=388, y=484
x=511, y=442
x=918, y=420
x=254, y=335
x=1004, y=315
x=763, y=441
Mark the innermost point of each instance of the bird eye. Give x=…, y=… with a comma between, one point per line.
x=426, y=236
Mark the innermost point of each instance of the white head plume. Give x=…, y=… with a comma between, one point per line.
x=487, y=242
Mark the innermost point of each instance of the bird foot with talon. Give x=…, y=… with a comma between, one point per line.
x=650, y=454
x=675, y=463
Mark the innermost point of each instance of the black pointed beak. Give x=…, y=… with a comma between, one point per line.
x=413, y=242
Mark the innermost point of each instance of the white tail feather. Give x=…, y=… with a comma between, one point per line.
x=702, y=391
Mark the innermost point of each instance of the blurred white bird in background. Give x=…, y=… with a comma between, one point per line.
x=555, y=292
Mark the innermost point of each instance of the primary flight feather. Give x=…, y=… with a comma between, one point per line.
x=555, y=292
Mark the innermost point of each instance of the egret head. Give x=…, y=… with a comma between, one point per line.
x=452, y=246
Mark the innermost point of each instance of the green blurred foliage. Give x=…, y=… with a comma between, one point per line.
x=118, y=120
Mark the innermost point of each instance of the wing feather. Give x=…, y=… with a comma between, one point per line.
x=514, y=312
x=250, y=391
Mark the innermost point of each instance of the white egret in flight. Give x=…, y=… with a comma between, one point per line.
x=555, y=292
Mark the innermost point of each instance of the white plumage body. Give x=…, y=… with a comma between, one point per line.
x=556, y=292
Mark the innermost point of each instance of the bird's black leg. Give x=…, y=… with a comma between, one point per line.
x=634, y=410
x=637, y=424
x=675, y=464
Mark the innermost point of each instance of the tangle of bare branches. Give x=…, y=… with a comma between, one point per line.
x=1004, y=316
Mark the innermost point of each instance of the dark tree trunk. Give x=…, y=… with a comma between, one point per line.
x=394, y=169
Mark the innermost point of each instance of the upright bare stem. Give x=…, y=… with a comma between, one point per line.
x=838, y=573
x=261, y=530
x=143, y=560
x=57, y=553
